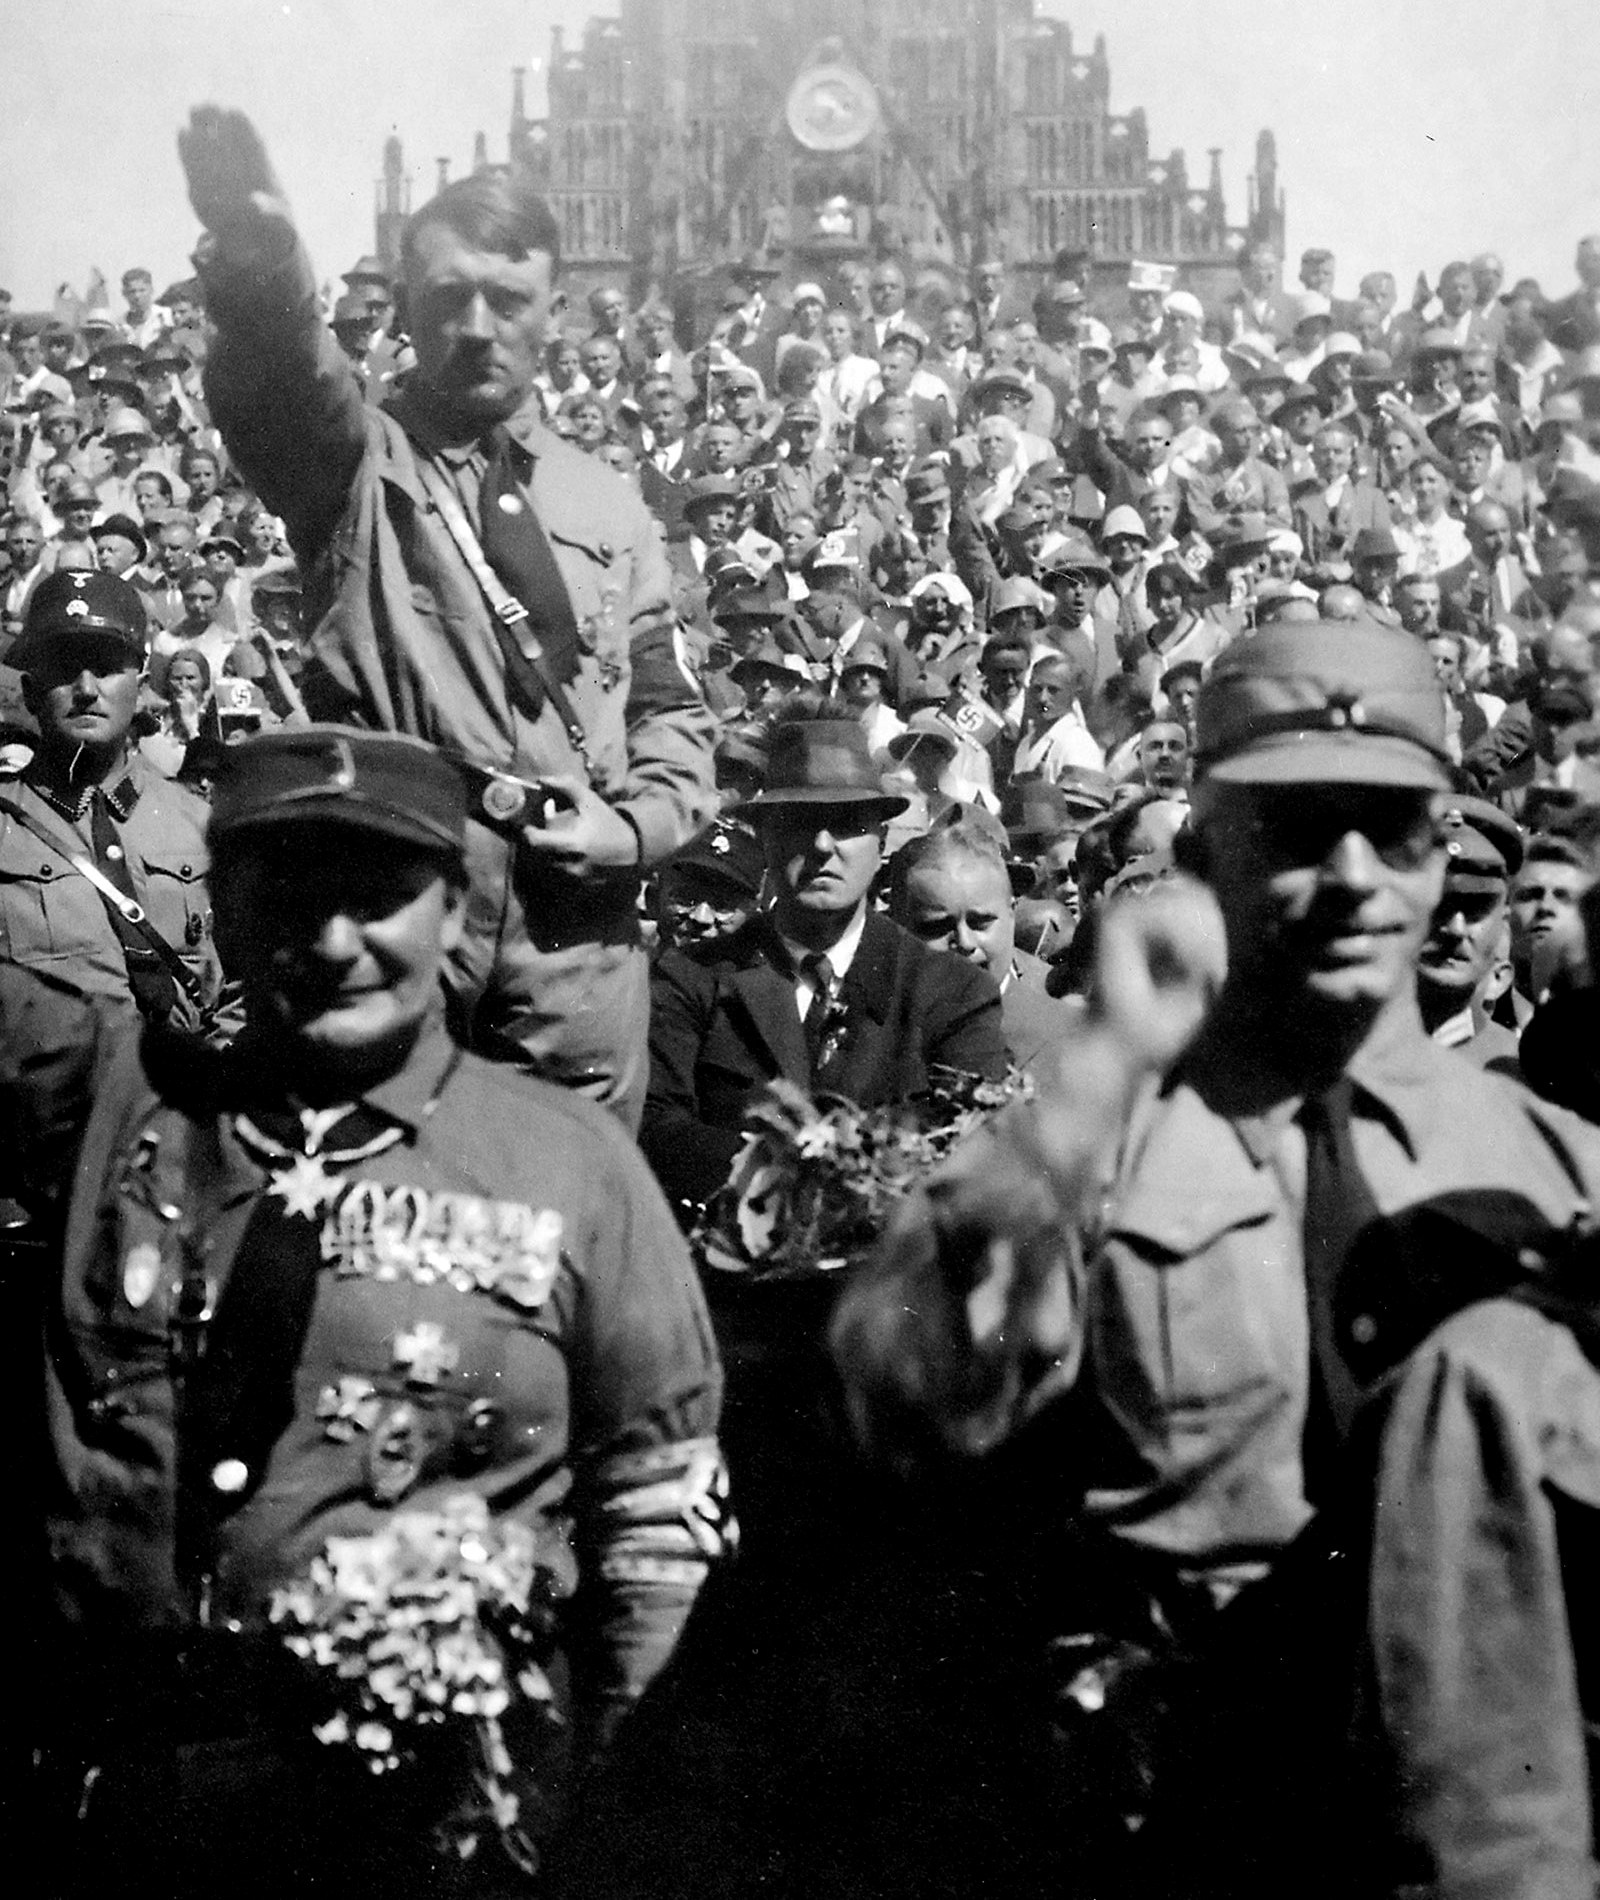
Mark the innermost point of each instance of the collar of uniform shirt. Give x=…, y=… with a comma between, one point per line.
x=121, y=797
x=1457, y=1029
x=525, y=428
x=1392, y=1071
x=408, y=1097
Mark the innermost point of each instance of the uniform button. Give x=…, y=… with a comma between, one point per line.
x=1363, y=1329
x=114, y=852
x=230, y=1476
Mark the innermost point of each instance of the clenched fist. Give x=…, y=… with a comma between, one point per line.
x=1160, y=961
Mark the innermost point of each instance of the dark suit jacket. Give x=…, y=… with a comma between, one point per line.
x=1330, y=534
x=1034, y=1019
x=720, y=1031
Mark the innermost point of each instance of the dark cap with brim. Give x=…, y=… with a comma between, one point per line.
x=381, y=782
x=1311, y=703
x=724, y=850
x=85, y=609
x=1480, y=841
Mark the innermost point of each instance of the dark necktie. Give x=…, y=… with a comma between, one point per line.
x=1338, y=1207
x=519, y=553
x=820, y=972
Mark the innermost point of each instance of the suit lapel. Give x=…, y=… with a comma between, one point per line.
x=867, y=994
x=763, y=997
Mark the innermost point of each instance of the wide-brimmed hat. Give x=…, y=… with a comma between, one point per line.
x=822, y=762
x=1035, y=813
x=1374, y=544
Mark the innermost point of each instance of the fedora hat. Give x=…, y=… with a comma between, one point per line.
x=822, y=762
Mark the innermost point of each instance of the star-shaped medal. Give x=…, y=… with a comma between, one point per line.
x=304, y=1186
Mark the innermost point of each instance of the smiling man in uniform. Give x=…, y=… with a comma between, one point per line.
x=344, y=1267
x=1194, y=1388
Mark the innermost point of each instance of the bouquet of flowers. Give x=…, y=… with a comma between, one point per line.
x=814, y=1185
x=437, y=1617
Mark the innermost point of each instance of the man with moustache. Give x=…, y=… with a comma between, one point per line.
x=476, y=582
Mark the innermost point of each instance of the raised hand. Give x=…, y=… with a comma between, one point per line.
x=232, y=185
x=1160, y=961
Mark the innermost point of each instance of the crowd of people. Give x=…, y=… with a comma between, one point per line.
x=465, y=743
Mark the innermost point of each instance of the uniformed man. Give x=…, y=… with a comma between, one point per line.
x=342, y=1272
x=102, y=860
x=1205, y=1370
x=1465, y=965
x=471, y=579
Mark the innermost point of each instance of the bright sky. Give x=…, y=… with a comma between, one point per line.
x=1409, y=131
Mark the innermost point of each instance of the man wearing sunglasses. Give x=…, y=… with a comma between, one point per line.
x=1314, y=1210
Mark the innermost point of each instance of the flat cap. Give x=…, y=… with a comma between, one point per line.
x=1480, y=839
x=707, y=490
x=383, y=782
x=1315, y=703
x=72, y=603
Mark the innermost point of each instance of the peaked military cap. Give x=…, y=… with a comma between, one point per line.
x=73, y=604
x=1313, y=702
x=383, y=782
x=1480, y=840
x=726, y=850
x=708, y=491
